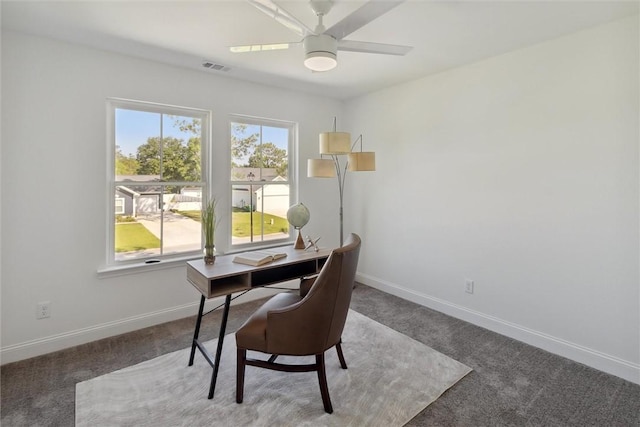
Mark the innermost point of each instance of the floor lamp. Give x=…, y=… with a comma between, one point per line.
x=334, y=145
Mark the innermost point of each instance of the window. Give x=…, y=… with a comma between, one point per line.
x=157, y=177
x=119, y=205
x=262, y=161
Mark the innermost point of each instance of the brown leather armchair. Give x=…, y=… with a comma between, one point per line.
x=303, y=325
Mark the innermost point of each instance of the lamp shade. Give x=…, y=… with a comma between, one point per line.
x=335, y=143
x=321, y=168
x=362, y=161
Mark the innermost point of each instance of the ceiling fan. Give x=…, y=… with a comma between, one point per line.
x=321, y=44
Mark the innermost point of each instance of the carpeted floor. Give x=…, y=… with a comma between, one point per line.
x=390, y=379
x=511, y=383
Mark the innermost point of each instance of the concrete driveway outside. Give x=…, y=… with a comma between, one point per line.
x=180, y=233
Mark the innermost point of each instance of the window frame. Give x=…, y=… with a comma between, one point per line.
x=112, y=104
x=121, y=205
x=292, y=177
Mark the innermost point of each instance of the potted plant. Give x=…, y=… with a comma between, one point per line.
x=209, y=223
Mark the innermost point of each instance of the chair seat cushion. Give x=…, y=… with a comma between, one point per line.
x=252, y=335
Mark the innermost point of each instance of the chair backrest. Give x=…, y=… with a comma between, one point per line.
x=342, y=273
x=322, y=313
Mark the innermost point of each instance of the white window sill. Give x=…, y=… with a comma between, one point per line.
x=144, y=266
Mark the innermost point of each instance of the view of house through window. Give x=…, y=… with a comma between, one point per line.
x=158, y=180
x=260, y=179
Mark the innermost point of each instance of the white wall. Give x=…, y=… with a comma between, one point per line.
x=54, y=185
x=519, y=172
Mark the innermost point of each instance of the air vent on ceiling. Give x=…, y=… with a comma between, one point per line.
x=213, y=66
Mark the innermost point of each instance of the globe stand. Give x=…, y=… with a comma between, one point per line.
x=299, y=242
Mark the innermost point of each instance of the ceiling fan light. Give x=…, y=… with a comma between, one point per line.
x=320, y=52
x=320, y=61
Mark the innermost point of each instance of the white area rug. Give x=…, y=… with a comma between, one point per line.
x=391, y=378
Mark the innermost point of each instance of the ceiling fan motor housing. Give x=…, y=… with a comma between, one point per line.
x=320, y=52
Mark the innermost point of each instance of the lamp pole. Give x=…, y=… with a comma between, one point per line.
x=341, y=174
x=250, y=176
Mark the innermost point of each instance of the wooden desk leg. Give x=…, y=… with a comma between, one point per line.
x=223, y=327
x=197, y=331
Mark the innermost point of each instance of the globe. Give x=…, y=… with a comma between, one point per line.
x=298, y=215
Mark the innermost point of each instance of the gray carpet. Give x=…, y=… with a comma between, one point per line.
x=390, y=379
x=512, y=384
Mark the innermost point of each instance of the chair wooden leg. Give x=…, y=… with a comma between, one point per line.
x=322, y=379
x=343, y=364
x=240, y=367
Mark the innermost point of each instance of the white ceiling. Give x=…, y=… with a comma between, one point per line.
x=444, y=34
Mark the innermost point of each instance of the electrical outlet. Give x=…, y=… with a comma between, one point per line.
x=468, y=286
x=43, y=310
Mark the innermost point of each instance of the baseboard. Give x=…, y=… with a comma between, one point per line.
x=595, y=359
x=38, y=347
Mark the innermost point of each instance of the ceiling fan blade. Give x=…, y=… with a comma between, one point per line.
x=259, y=47
x=362, y=16
x=282, y=16
x=368, y=47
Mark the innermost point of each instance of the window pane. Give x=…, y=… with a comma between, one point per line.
x=181, y=219
x=137, y=150
x=259, y=212
x=259, y=153
x=157, y=220
x=119, y=206
x=154, y=147
x=244, y=138
x=272, y=154
x=136, y=233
